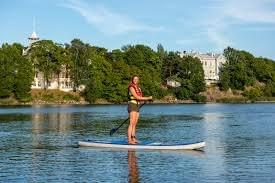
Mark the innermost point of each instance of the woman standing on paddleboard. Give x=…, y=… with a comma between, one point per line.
x=135, y=97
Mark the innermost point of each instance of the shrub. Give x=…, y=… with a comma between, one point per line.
x=253, y=93
x=199, y=98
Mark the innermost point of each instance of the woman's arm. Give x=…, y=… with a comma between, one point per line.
x=132, y=90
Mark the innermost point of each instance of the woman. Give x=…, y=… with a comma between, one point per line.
x=135, y=96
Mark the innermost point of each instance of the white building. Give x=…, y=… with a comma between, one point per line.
x=61, y=81
x=172, y=81
x=211, y=65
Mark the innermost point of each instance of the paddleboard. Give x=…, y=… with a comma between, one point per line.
x=141, y=145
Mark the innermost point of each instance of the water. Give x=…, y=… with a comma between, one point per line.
x=39, y=144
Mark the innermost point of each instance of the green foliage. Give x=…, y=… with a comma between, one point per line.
x=6, y=81
x=236, y=73
x=170, y=65
x=269, y=89
x=225, y=78
x=199, y=98
x=232, y=100
x=243, y=69
x=106, y=75
x=54, y=96
x=253, y=93
x=81, y=55
x=188, y=71
x=47, y=57
x=23, y=80
x=8, y=56
x=16, y=73
x=143, y=57
x=182, y=93
x=70, y=97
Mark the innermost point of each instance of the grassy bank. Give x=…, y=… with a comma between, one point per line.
x=212, y=95
x=55, y=96
x=47, y=97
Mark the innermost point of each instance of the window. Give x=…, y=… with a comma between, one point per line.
x=62, y=75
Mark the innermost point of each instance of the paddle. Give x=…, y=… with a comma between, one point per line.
x=115, y=129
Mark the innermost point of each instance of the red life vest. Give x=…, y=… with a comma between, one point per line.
x=137, y=90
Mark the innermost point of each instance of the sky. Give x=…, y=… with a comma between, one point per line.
x=179, y=25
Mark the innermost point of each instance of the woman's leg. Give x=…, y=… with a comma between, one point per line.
x=132, y=115
x=136, y=117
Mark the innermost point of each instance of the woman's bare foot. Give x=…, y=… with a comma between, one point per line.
x=132, y=142
x=135, y=139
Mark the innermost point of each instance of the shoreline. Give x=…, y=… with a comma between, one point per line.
x=124, y=103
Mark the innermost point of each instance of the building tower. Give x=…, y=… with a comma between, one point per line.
x=33, y=38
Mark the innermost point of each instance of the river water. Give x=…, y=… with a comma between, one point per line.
x=39, y=143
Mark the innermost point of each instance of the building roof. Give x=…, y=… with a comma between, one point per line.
x=34, y=36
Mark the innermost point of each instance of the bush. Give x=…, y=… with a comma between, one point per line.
x=182, y=93
x=232, y=100
x=48, y=96
x=253, y=93
x=199, y=98
x=70, y=97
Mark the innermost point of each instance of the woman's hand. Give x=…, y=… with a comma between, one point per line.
x=150, y=98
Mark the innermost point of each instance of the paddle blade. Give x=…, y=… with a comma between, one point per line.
x=112, y=131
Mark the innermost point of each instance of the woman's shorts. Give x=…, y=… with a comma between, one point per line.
x=133, y=107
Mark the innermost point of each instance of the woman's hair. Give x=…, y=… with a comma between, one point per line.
x=132, y=79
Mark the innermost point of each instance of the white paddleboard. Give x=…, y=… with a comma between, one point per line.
x=141, y=145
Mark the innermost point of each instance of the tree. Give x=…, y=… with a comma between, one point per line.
x=143, y=57
x=99, y=70
x=81, y=59
x=170, y=65
x=46, y=57
x=191, y=75
x=23, y=80
x=16, y=72
x=188, y=71
x=117, y=55
x=7, y=69
x=237, y=73
x=161, y=52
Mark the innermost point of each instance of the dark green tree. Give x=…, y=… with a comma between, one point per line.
x=45, y=55
x=237, y=73
x=81, y=59
x=8, y=56
x=23, y=80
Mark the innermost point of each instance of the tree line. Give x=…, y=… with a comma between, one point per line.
x=106, y=74
x=253, y=75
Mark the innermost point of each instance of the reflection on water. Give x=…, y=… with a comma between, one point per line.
x=42, y=123
x=39, y=144
x=60, y=122
x=213, y=128
x=133, y=167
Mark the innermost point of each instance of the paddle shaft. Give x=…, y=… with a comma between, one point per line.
x=115, y=129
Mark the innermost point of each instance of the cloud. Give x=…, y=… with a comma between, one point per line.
x=250, y=10
x=108, y=22
x=225, y=15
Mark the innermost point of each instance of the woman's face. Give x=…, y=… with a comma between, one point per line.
x=135, y=80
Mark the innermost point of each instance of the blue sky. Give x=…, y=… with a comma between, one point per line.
x=199, y=25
